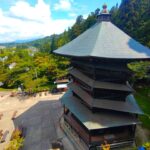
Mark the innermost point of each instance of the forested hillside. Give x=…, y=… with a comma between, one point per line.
x=133, y=17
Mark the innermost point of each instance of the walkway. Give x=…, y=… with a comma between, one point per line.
x=39, y=115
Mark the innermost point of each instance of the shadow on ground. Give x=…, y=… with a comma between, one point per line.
x=41, y=121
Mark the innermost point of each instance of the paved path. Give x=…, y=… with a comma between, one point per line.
x=40, y=126
x=39, y=115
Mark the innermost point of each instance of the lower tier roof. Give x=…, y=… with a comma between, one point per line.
x=93, y=121
x=97, y=84
x=129, y=106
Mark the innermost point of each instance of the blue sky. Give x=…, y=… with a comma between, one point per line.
x=26, y=19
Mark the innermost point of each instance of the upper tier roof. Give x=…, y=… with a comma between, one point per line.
x=105, y=40
x=97, y=84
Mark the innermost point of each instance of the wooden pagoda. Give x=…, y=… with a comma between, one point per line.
x=99, y=104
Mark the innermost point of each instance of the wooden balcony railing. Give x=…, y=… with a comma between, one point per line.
x=78, y=128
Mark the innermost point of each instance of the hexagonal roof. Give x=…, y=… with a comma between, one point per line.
x=104, y=40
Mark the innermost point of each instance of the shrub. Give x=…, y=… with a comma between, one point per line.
x=16, y=134
x=16, y=141
x=147, y=145
x=15, y=144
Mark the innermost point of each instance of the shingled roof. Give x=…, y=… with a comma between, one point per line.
x=98, y=84
x=105, y=40
x=129, y=105
x=100, y=120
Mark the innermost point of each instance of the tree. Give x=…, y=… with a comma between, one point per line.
x=79, y=19
x=97, y=12
x=133, y=17
x=53, y=43
x=141, y=69
x=17, y=141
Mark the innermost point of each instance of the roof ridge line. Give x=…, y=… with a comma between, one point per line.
x=98, y=33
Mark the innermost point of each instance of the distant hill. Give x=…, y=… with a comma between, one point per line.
x=30, y=42
x=39, y=42
x=18, y=42
x=27, y=40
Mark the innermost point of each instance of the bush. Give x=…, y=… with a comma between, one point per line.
x=15, y=144
x=147, y=145
x=16, y=134
x=16, y=141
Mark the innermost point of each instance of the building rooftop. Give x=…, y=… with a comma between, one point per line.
x=94, y=121
x=61, y=81
x=128, y=106
x=104, y=40
x=98, y=84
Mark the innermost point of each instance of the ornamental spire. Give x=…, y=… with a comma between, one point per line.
x=105, y=9
x=104, y=15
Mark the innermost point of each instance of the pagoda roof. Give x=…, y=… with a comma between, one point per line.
x=129, y=106
x=98, y=84
x=101, y=65
x=104, y=40
x=93, y=121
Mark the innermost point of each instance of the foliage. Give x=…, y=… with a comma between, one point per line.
x=142, y=96
x=133, y=17
x=147, y=145
x=17, y=141
x=32, y=70
x=141, y=69
x=16, y=134
x=15, y=144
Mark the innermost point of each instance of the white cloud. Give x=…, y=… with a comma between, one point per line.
x=63, y=5
x=24, y=21
x=40, y=12
x=85, y=16
x=73, y=14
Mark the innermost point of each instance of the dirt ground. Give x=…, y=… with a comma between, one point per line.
x=40, y=115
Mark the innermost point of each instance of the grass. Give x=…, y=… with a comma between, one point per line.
x=143, y=99
x=2, y=89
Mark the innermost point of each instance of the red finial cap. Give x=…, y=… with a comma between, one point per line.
x=105, y=8
x=104, y=15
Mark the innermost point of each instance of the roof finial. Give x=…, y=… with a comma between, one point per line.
x=104, y=8
x=104, y=15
